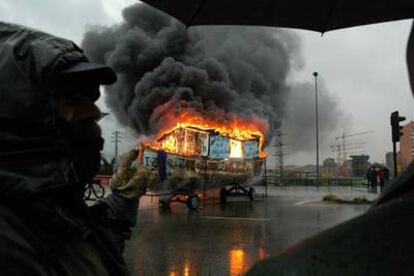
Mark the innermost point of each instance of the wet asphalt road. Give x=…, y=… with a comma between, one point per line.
x=228, y=240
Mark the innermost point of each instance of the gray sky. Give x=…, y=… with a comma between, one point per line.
x=363, y=67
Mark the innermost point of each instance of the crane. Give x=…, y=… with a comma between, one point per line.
x=345, y=135
x=349, y=148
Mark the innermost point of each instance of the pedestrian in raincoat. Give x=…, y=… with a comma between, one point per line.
x=371, y=177
x=381, y=178
x=50, y=148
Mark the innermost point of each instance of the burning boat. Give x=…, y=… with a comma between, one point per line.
x=193, y=153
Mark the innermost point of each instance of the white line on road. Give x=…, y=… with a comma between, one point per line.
x=237, y=218
x=307, y=201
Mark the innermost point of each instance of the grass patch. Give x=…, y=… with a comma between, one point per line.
x=355, y=200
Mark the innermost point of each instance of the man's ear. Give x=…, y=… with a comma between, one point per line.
x=410, y=58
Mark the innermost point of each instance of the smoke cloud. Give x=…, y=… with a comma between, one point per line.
x=299, y=120
x=163, y=67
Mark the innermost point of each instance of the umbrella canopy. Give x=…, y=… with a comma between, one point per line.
x=317, y=15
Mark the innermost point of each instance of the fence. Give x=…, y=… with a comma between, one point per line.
x=309, y=179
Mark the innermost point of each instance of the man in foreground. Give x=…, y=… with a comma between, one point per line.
x=50, y=147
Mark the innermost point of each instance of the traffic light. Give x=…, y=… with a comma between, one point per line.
x=395, y=125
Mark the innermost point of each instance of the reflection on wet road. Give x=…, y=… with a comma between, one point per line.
x=227, y=240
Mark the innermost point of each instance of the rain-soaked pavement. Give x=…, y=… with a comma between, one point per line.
x=228, y=240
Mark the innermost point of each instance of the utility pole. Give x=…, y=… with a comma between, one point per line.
x=116, y=138
x=279, y=154
x=343, y=147
x=279, y=164
x=315, y=74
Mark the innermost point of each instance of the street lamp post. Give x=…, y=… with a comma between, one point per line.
x=315, y=74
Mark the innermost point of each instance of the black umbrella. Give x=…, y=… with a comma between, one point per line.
x=316, y=15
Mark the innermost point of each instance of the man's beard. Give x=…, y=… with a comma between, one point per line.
x=85, y=144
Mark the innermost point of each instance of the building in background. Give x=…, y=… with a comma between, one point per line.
x=389, y=162
x=406, y=146
x=329, y=168
x=360, y=165
x=345, y=169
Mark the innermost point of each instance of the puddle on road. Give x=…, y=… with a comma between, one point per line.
x=178, y=242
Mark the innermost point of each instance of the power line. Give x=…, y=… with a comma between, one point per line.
x=116, y=138
x=279, y=154
x=347, y=135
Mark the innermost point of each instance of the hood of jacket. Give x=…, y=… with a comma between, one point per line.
x=33, y=153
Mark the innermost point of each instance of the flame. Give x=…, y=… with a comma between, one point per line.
x=186, y=269
x=169, y=144
x=236, y=262
x=229, y=125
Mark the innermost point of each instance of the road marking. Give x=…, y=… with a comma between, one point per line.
x=321, y=205
x=237, y=218
x=307, y=201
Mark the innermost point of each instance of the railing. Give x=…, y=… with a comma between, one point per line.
x=312, y=181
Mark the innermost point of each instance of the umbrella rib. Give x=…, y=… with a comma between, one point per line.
x=329, y=16
x=196, y=12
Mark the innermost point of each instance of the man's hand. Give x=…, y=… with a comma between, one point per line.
x=130, y=181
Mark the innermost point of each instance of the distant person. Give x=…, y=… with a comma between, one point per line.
x=381, y=178
x=371, y=177
x=50, y=148
x=379, y=242
x=387, y=177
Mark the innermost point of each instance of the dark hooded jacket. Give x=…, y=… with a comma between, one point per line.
x=45, y=227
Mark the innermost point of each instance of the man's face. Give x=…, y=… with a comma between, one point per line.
x=79, y=109
x=77, y=117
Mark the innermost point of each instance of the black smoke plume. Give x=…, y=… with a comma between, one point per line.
x=214, y=70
